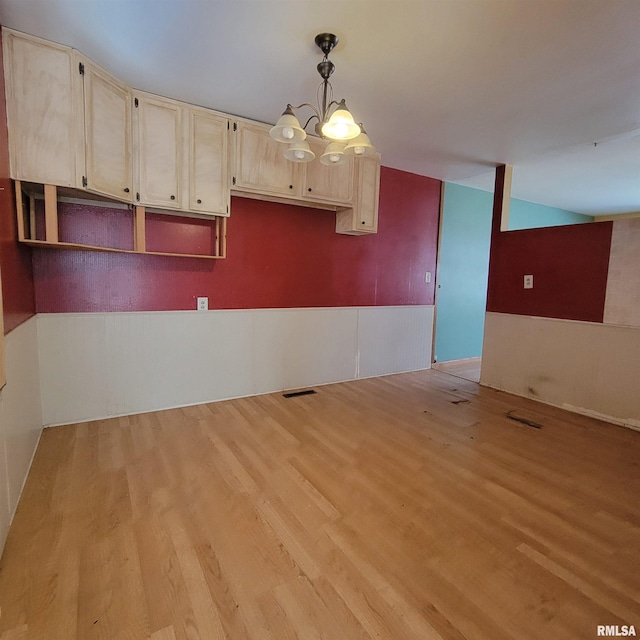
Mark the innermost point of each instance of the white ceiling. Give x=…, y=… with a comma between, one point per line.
x=445, y=88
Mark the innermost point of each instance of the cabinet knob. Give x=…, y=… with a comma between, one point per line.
x=199, y=201
x=126, y=189
x=173, y=197
x=363, y=222
x=290, y=186
x=309, y=189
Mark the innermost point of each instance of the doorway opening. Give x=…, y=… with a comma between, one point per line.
x=463, y=269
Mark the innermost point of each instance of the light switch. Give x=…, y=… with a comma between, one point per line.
x=427, y=277
x=528, y=282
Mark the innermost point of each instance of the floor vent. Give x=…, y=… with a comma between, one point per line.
x=295, y=394
x=525, y=421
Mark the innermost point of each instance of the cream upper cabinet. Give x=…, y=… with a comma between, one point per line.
x=69, y=121
x=44, y=110
x=262, y=168
x=325, y=182
x=159, y=151
x=260, y=165
x=107, y=120
x=208, y=162
x=181, y=156
x=363, y=217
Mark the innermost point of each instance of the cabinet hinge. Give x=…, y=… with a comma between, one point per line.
x=227, y=208
x=235, y=126
x=137, y=196
x=81, y=68
x=135, y=101
x=84, y=181
x=233, y=181
x=228, y=125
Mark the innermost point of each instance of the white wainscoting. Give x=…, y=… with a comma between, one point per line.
x=585, y=367
x=393, y=340
x=97, y=365
x=20, y=418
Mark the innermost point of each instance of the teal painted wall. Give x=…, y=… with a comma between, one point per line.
x=464, y=263
x=462, y=272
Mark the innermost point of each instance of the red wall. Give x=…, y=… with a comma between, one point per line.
x=569, y=266
x=278, y=256
x=15, y=260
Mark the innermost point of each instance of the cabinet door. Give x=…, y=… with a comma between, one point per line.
x=159, y=151
x=107, y=115
x=327, y=183
x=368, y=194
x=44, y=93
x=260, y=164
x=208, y=170
x=363, y=217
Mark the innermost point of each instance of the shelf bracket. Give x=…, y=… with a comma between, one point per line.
x=20, y=211
x=139, y=235
x=50, y=213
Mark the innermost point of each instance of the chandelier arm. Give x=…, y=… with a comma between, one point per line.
x=306, y=104
x=315, y=115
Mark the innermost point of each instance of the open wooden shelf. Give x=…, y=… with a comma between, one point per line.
x=26, y=213
x=43, y=244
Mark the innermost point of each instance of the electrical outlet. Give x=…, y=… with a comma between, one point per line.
x=427, y=277
x=528, y=282
x=203, y=304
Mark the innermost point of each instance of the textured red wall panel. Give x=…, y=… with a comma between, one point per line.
x=97, y=226
x=15, y=260
x=278, y=256
x=195, y=235
x=569, y=266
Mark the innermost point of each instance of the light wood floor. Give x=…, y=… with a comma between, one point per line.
x=403, y=507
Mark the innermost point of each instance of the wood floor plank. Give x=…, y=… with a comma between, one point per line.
x=168, y=633
x=316, y=611
x=17, y=633
x=204, y=608
x=404, y=507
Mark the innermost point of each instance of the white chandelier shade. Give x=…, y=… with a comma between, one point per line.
x=299, y=152
x=288, y=128
x=360, y=146
x=341, y=125
x=334, y=154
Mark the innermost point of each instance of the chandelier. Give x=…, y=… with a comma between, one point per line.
x=334, y=121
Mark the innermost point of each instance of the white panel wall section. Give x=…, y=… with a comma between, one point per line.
x=295, y=348
x=160, y=360
x=394, y=339
x=20, y=418
x=106, y=364
x=585, y=367
x=73, y=365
